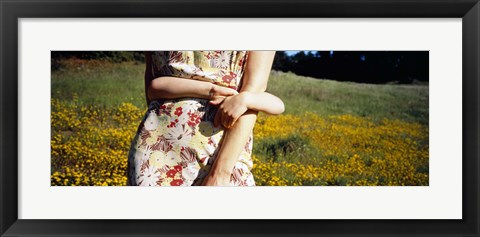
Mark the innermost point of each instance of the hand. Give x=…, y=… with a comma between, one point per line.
x=210, y=180
x=230, y=109
x=220, y=92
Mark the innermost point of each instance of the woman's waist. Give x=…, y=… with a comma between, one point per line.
x=179, y=101
x=190, y=108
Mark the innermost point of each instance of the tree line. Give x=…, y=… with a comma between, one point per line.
x=358, y=66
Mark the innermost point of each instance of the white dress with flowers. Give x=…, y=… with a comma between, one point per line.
x=176, y=142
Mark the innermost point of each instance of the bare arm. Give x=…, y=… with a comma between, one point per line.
x=235, y=106
x=255, y=80
x=174, y=87
x=264, y=102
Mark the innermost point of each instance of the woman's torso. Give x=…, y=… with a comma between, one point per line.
x=177, y=141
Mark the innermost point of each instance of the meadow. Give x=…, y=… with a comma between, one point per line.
x=332, y=133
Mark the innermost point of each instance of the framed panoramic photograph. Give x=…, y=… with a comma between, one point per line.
x=318, y=118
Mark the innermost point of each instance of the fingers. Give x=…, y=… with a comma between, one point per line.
x=221, y=119
x=230, y=91
x=228, y=110
x=226, y=121
x=233, y=92
x=233, y=121
x=224, y=91
x=217, y=100
x=230, y=120
x=217, y=118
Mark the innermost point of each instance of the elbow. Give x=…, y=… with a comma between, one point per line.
x=156, y=90
x=149, y=94
x=150, y=91
x=276, y=108
x=281, y=107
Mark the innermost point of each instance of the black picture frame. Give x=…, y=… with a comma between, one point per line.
x=11, y=11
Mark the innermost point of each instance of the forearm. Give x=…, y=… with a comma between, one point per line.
x=235, y=138
x=174, y=87
x=233, y=142
x=264, y=102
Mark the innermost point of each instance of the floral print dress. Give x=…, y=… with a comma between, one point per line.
x=176, y=142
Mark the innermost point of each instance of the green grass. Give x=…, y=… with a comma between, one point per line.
x=111, y=84
x=327, y=97
x=104, y=85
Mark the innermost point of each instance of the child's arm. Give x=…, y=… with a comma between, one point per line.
x=239, y=104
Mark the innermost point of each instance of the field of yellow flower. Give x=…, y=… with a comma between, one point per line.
x=340, y=150
x=89, y=146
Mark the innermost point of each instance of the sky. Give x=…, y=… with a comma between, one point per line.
x=290, y=53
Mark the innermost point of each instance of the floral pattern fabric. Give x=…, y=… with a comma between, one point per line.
x=176, y=142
